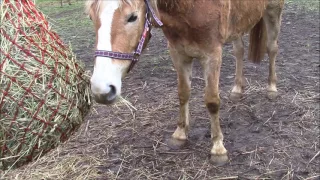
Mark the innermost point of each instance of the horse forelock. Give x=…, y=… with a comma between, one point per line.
x=96, y=6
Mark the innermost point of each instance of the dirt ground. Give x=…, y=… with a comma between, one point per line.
x=265, y=139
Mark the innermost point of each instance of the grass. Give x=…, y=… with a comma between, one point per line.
x=70, y=22
x=312, y=5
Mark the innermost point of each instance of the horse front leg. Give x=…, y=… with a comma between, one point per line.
x=183, y=66
x=211, y=66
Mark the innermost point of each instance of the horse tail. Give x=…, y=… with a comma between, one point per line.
x=258, y=42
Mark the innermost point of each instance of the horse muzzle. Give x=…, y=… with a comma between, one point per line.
x=108, y=97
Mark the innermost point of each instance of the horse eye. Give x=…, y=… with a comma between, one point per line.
x=132, y=18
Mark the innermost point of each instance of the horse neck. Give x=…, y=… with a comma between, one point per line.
x=174, y=6
x=169, y=8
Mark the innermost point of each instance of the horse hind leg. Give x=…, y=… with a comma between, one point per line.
x=272, y=19
x=183, y=66
x=238, y=49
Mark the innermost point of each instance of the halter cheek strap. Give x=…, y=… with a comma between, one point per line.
x=133, y=56
x=149, y=8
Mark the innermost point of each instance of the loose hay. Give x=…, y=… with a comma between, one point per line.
x=44, y=92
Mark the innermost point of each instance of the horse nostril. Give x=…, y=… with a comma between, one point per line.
x=112, y=94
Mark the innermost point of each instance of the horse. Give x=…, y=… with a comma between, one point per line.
x=195, y=29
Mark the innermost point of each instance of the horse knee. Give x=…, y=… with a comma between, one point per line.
x=213, y=105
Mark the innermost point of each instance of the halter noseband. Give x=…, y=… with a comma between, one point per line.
x=133, y=56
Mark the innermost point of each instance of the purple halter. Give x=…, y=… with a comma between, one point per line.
x=133, y=56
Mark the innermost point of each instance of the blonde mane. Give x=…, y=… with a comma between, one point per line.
x=97, y=5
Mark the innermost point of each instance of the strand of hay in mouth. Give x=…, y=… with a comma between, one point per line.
x=44, y=90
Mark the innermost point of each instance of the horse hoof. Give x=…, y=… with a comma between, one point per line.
x=235, y=97
x=219, y=160
x=272, y=95
x=176, y=144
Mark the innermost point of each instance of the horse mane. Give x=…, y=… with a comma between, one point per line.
x=97, y=5
x=174, y=6
x=169, y=6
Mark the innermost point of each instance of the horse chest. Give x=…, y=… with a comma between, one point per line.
x=190, y=50
x=186, y=43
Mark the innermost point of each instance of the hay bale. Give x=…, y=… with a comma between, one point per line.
x=44, y=90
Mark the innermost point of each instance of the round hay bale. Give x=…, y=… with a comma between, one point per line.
x=44, y=90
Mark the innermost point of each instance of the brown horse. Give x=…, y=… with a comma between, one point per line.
x=194, y=29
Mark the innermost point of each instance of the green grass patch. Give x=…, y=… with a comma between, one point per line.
x=67, y=17
x=70, y=22
x=312, y=5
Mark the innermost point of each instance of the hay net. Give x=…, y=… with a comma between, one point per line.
x=44, y=92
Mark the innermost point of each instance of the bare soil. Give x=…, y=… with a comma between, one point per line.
x=265, y=139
